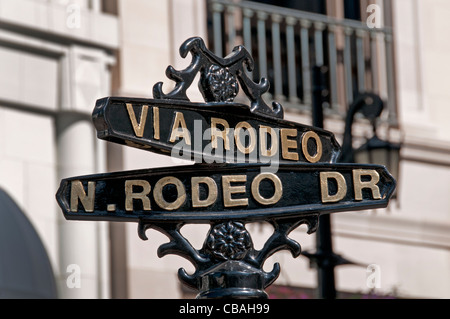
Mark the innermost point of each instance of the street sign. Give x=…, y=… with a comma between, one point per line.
x=234, y=181
x=211, y=132
x=243, y=192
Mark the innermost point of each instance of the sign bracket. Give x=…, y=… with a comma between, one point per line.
x=228, y=265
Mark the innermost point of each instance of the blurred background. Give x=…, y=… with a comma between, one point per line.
x=57, y=57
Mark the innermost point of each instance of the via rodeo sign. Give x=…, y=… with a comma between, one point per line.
x=251, y=165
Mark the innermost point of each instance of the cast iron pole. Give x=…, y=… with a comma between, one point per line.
x=324, y=254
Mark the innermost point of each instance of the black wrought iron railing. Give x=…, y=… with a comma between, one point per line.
x=286, y=44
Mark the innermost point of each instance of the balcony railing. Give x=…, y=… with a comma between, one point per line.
x=287, y=43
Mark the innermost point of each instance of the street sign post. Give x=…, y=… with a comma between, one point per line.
x=251, y=165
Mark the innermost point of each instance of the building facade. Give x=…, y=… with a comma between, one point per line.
x=57, y=57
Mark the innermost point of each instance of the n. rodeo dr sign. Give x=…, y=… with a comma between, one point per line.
x=233, y=192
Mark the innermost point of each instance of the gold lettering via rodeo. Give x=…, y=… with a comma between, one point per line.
x=233, y=191
x=221, y=131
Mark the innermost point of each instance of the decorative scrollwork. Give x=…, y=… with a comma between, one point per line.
x=219, y=85
x=229, y=241
x=220, y=78
x=228, y=258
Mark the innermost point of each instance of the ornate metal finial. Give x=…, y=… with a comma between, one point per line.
x=220, y=78
x=219, y=85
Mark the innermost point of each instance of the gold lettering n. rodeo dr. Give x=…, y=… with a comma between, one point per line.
x=78, y=194
x=196, y=192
